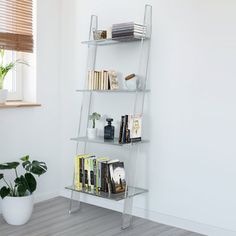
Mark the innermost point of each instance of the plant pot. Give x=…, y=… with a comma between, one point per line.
x=17, y=210
x=3, y=95
x=92, y=133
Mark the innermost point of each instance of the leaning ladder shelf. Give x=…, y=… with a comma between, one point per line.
x=139, y=94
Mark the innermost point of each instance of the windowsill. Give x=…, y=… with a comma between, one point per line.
x=19, y=104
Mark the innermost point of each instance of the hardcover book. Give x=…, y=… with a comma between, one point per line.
x=135, y=128
x=117, y=176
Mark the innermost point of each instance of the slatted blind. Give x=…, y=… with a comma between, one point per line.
x=16, y=31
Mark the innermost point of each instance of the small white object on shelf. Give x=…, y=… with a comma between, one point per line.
x=92, y=133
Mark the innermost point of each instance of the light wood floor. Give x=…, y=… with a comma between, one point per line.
x=51, y=218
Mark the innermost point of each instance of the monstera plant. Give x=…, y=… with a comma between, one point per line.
x=23, y=184
x=17, y=195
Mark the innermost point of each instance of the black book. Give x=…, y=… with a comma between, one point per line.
x=117, y=177
x=121, y=129
x=125, y=128
x=104, y=176
x=81, y=172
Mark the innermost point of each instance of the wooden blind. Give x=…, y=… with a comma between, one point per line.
x=16, y=31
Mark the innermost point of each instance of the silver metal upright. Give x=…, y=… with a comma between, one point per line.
x=85, y=106
x=137, y=109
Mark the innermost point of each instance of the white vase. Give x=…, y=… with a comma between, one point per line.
x=3, y=95
x=92, y=133
x=17, y=210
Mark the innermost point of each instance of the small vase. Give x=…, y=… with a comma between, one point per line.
x=3, y=95
x=17, y=210
x=92, y=133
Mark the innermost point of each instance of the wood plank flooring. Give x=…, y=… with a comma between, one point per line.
x=51, y=218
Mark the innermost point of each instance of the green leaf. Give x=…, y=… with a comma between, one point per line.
x=25, y=158
x=36, y=167
x=24, y=164
x=32, y=184
x=21, y=185
x=1, y=176
x=9, y=165
x=4, y=191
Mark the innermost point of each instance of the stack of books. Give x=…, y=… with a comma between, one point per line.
x=99, y=174
x=128, y=30
x=130, y=129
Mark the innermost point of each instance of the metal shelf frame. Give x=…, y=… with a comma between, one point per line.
x=143, y=43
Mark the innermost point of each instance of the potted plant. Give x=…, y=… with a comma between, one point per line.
x=17, y=203
x=4, y=69
x=92, y=132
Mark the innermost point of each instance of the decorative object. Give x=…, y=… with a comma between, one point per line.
x=17, y=203
x=113, y=80
x=99, y=34
x=4, y=69
x=92, y=132
x=131, y=82
x=109, y=130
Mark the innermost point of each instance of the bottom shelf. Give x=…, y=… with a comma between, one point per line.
x=132, y=191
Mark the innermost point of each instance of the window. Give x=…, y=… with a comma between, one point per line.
x=16, y=37
x=13, y=80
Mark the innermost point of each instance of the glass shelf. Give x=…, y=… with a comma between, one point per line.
x=114, y=91
x=102, y=42
x=101, y=140
x=132, y=191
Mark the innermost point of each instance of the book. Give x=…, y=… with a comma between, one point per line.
x=79, y=170
x=102, y=80
x=121, y=129
x=99, y=160
x=124, y=131
x=130, y=129
x=91, y=173
x=117, y=176
x=135, y=128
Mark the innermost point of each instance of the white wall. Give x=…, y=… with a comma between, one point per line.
x=35, y=131
x=191, y=106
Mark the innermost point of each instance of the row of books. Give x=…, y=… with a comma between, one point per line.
x=130, y=128
x=98, y=80
x=99, y=174
x=128, y=29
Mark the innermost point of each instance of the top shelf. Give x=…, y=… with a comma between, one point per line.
x=111, y=41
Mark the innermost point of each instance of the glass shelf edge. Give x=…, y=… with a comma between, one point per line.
x=115, y=197
x=114, y=91
x=100, y=140
x=111, y=41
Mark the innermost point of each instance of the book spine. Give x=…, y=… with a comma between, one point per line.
x=86, y=172
x=124, y=130
x=82, y=174
x=95, y=174
x=121, y=129
x=91, y=172
x=77, y=173
x=104, y=186
x=99, y=176
x=92, y=79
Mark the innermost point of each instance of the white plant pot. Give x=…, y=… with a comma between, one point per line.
x=3, y=95
x=92, y=133
x=17, y=210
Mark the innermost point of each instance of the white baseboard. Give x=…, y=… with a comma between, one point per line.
x=157, y=216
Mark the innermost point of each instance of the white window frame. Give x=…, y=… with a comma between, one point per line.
x=15, y=75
